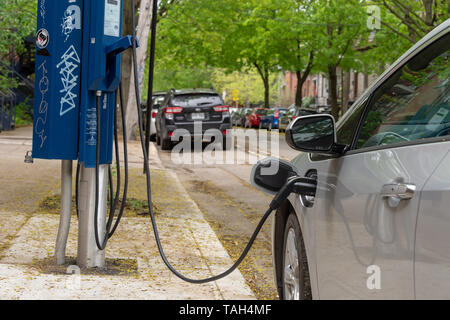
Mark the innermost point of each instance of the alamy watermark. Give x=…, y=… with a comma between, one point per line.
x=374, y=19
x=374, y=280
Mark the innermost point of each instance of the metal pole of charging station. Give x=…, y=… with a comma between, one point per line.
x=66, y=211
x=89, y=256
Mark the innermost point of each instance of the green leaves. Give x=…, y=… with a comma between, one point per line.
x=17, y=20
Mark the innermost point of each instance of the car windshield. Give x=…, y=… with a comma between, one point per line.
x=196, y=100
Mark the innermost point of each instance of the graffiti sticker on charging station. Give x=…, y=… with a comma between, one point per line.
x=112, y=18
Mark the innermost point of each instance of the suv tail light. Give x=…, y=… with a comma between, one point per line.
x=154, y=113
x=221, y=109
x=277, y=114
x=170, y=111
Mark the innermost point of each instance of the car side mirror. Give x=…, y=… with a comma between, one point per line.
x=314, y=134
x=270, y=174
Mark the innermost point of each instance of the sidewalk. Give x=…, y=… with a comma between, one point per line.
x=135, y=269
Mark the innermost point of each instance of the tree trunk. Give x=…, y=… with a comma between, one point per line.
x=345, y=91
x=142, y=32
x=266, y=90
x=301, y=79
x=264, y=73
x=127, y=56
x=299, y=91
x=332, y=75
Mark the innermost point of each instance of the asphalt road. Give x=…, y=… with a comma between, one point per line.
x=232, y=206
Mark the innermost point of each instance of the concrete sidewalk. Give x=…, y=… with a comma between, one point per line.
x=135, y=269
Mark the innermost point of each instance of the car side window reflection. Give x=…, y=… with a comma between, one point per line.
x=414, y=103
x=347, y=130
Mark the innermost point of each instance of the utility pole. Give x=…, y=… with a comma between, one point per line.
x=142, y=35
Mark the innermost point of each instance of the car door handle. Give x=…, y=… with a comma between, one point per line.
x=401, y=191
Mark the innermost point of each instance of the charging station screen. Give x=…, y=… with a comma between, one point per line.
x=112, y=18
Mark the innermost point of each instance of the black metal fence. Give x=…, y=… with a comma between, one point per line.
x=7, y=110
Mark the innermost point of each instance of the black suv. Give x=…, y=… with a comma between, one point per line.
x=182, y=108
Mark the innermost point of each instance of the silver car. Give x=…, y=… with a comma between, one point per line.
x=378, y=226
x=158, y=98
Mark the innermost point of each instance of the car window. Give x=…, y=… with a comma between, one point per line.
x=194, y=100
x=261, y=112
x=413, y=104
x=347, y=129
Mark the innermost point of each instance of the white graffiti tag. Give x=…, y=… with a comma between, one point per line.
x=70, y=62
x=43, y=12
x=71, y=20
x=41, y=119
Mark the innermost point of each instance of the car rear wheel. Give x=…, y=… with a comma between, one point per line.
x=295, y=280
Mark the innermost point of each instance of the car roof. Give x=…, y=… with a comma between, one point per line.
x=194, y=91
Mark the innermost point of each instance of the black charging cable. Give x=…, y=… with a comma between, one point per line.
x=293, y=184
x=110, y=229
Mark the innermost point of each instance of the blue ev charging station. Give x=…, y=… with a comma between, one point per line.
x=78, y=62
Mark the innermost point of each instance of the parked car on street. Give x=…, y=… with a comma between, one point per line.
x=181, y=109
x=292, y=114
x=271, y=119
x=238, y=117
x=378, y=224
x=253, y=119
x=158, y=98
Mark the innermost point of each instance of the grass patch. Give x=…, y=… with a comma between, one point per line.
x=133, y=207
x=114, y=267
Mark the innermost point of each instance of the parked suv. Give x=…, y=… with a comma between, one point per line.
x=181, y=109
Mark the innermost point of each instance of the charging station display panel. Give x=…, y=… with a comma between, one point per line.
x=57, y=79
x=112, y=18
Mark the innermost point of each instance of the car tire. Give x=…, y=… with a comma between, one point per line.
x=153, y=137
x=166, y=144
x=295, y=281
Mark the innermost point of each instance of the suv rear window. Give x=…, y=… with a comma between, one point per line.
x=195, y=100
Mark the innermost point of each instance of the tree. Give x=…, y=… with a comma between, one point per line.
x=293, y=34
x=341, y=29
x=17, y=21
x=222, y=34
x=413, y=19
